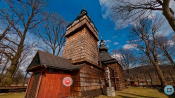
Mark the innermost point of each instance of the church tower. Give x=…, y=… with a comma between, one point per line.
x=81, y=40
x=81, y=49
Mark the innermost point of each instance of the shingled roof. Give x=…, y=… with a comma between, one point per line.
x=47, y=60
x=105, y=57
x=82, y=21
x=82, y=13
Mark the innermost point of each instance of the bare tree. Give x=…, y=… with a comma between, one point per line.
x=148, y=43
x=4, y=26
x=164, y=45
x=171, y=75
x=23, y=17
x=127, y=9
x=18, y=78
x=151, y=79
x=126, y=59
x=4, y=62
x=53, y=35
x=4, y=32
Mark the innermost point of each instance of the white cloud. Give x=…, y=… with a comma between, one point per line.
x=129, y=46
x=106, y=6
x=171, y=43
x=116, y=43
x=117, y=56
x=132, y=41
x=108, y=41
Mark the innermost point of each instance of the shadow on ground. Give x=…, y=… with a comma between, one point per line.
x=135, y=95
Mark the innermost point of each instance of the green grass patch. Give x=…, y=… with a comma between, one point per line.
x=12, y=95
x=131, y=92
x=138, y=92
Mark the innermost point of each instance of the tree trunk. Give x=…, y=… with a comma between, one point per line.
x=14, y=64
x=167, y=12
x=171, y=75
x=145, y=79
x=8, y=76
x=164, y=74
x=160, y=75
x=138, y=80
x=158, y=70
x=25, y=79
x=154, y=60
x=169, y=57
x=150, y=78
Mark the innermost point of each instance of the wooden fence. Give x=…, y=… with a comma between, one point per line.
x=6, y=89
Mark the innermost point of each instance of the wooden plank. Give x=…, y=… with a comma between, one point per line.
x=52, y=86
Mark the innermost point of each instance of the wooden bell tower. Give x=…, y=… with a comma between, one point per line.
x=81, y=40
x=81, y=49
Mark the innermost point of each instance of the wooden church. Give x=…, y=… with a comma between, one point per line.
x=93, y=71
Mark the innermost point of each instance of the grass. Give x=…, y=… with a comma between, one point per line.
x=131, y=92
x=138, y=92
x=12, y=95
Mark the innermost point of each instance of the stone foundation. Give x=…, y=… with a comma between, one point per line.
x=110, y=91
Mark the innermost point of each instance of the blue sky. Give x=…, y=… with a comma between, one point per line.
x=98, y=10
x=69, y=9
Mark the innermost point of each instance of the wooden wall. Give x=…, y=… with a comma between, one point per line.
x=81, y=46
x=32, y=85
x=75, y=88
x=89, y=82
x=48, y=85
x=118, y=76
x=51, y=86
